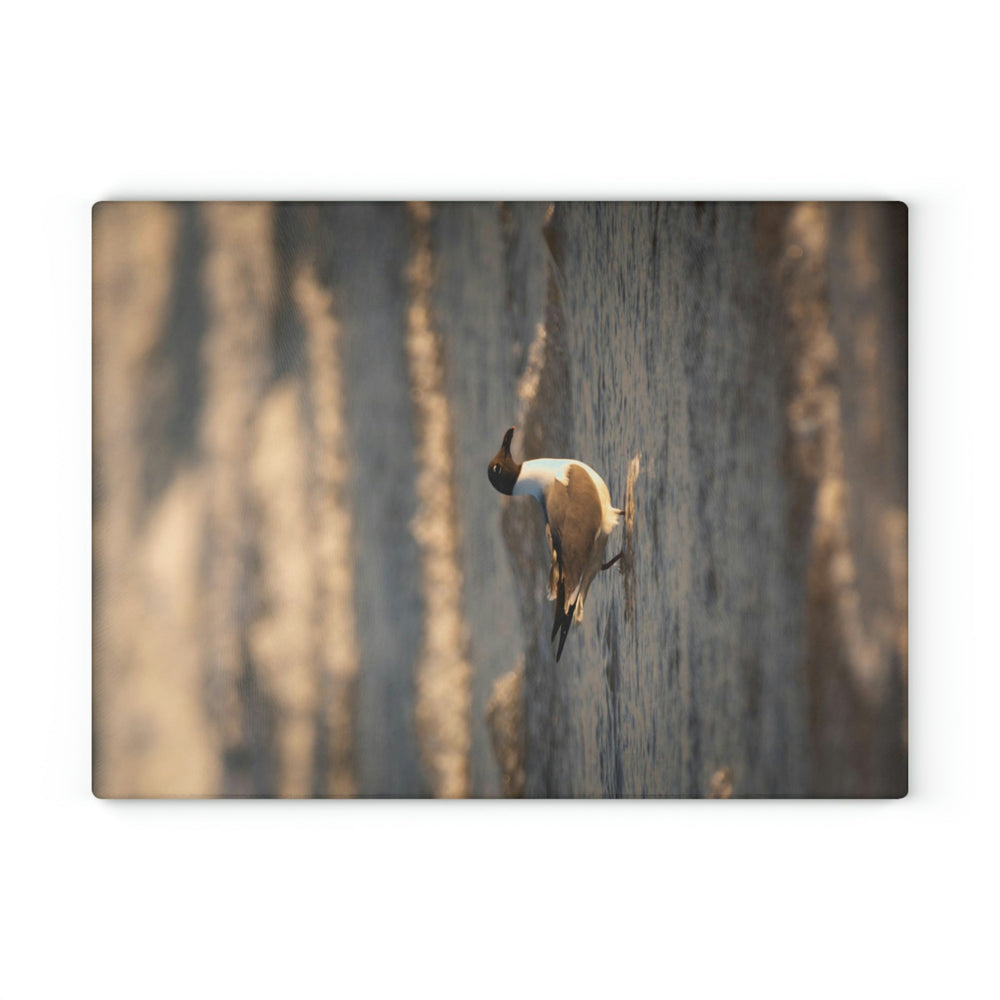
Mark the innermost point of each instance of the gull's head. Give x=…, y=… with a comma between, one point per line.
x=503, y=470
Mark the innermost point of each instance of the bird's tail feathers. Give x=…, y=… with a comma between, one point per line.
x=567, y=621
x=560, y=598
x=563, y=617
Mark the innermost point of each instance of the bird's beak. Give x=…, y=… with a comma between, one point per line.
x=507, y=439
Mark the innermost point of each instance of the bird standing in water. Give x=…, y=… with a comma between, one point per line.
x=578, y=520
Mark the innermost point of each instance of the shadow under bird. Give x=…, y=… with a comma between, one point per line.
x=578, y=520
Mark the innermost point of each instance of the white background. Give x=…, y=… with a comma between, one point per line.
x=260, y=899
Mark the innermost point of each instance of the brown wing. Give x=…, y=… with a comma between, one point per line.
x=574, y=515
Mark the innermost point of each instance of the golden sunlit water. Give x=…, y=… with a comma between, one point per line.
x=304, y=584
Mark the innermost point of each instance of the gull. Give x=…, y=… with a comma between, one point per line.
x=579, y=518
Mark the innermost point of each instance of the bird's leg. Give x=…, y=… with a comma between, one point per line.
x=611, y=562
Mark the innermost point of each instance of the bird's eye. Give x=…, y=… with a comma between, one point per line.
x=496, y=468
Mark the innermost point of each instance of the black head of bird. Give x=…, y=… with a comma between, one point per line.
x=503, y=470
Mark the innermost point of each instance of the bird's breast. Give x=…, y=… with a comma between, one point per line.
x=537, y=476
